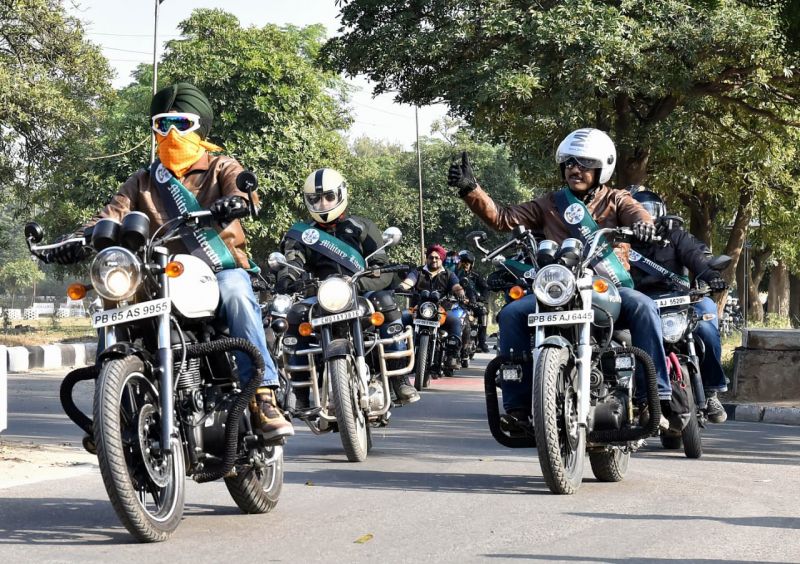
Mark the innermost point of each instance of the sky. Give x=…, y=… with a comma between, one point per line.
x=124, y=29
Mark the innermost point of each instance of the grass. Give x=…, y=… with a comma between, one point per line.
x=47, y=330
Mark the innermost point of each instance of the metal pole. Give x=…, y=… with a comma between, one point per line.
x=746, y=282
x=155, y=76
x=419, y=171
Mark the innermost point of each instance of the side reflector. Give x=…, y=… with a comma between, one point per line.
x=174, y=269
x=76, y=291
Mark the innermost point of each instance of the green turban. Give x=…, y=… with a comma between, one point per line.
x=184, y=97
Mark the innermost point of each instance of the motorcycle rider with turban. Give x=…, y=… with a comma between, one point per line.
x=181, y=117
x=587, y=158
x=326, y=198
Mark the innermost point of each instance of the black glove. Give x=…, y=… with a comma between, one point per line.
x=69, y=253
x=228, y=208
x=461, y=176
x=644, y=231
x=714, y=280
x=286, y=285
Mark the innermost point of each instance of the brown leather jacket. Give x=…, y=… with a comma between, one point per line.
x=609, y=208
x=210, y=178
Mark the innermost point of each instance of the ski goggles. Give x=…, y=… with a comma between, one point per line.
x=183, y=123
x=583, y=164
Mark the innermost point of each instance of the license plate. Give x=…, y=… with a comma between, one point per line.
x=335, y=317
x=130, y=313
x=426, y=323
x=675, y=301
x=560, y=318
x=511, y=373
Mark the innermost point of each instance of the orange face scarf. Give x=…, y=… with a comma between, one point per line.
x=178, y=153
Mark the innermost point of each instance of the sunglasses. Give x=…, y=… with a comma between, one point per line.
x=434, y=257
x=183, y=123
x=583, y=164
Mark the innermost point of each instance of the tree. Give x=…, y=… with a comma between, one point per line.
x=18, y=275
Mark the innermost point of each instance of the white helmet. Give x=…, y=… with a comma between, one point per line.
x=325, y=194
x=592, y=149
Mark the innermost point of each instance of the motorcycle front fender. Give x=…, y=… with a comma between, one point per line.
x=123, y=349
x=337, y=348
x=556, y=341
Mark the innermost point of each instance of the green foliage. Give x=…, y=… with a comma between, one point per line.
x=19, y=274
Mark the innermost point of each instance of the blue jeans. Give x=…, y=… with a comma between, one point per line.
x=708, y=331
x=239, y=308
x=639, y=314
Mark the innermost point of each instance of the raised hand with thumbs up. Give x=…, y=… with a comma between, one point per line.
x=460, y=176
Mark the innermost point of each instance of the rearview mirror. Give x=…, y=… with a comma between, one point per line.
x=392, y=236
x=499, y=260
x=275, y=261
x=34, y=232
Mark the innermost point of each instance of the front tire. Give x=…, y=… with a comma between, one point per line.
x=421, y=371
x=692, y=439
x=257, y=489
x=561, y=442
x=144, y=484
x=353, y=426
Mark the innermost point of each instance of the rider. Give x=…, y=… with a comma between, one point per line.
x=450, y=261
x=325, y=196
x=477, y=292
x=181, y=117
x=434, y=277
x=587, y=158
x=684, y=253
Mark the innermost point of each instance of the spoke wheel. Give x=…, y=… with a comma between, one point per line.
x=353, y=428
x=144, y=482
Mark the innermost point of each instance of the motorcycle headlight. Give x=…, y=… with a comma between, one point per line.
x=673, y=325
x=116, y=273
x=281, y=304
x=335, y=295
x=554, y=285
x=427, y=310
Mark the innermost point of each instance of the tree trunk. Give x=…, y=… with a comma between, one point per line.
x=755, y=311
x=794, y=299
x=736, y=241
x=631, y=161
x=700, y=221
x=778, y=297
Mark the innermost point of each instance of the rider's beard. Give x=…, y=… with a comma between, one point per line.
x=179, y=152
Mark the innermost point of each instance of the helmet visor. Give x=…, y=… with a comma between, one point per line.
x=584, y=163
x=322, y=202
x=655, y=209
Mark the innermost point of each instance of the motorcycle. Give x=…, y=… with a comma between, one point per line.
x=428, y=318
x=732, y=318
x=678, y=321
x=583, y=384
x=338, y=332
x=167, y=401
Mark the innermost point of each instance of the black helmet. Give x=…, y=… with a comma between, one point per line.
x=467, y=256
x=654, y=205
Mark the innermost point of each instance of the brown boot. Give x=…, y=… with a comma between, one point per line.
x=267, y=417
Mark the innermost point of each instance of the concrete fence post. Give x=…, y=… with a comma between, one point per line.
x=3, y=388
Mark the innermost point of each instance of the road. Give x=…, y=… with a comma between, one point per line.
x=436, y=488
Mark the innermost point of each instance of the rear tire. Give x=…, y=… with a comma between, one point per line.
x=256, y=490
x=421, y=370
x=561, y=442
x=609, y=466
x=144, y=484
x=353, y=425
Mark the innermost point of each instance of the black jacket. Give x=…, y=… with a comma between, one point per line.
x=685, y=254
x=358, y=232
x=474, y=285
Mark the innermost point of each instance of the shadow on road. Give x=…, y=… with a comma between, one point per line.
x=767, y=521
x=628, y=560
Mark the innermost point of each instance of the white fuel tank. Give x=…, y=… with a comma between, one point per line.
x=195, y=293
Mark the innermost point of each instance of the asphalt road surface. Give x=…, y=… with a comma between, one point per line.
x=435, y=488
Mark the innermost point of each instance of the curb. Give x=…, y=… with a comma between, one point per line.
x=47, y=357
x=757, y=413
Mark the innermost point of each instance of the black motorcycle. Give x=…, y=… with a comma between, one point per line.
x=167, y=401
x=583, y=384
x=678, y=322
x=428, y=318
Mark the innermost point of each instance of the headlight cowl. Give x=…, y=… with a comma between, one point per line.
x=554, y=285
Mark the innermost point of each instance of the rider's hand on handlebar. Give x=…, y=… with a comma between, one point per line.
x=644, y=231
x=714, y=281
x=461, y=176
x=228, y=208
x=69, y=253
